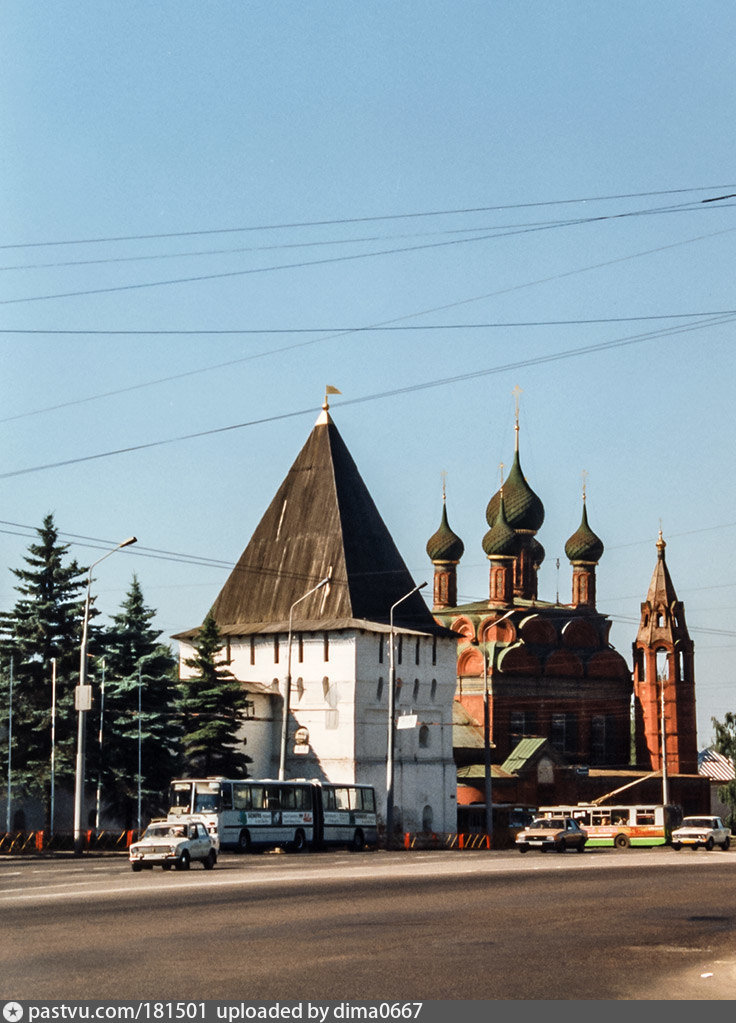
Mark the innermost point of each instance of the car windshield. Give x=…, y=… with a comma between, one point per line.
x=698, y=822
x=547, y=824
x=165, y=831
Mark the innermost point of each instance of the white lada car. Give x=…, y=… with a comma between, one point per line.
x=705, y=831
x=174, y=843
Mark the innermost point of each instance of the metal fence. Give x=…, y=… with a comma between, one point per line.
x=18, y=843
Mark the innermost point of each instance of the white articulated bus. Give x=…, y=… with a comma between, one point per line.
x=257, y=813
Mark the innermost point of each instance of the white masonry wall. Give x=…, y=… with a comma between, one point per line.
x=339, y=696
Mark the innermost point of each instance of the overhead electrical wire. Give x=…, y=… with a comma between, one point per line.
x=444, y=381
x=304, y=264
x=504, y=231
x=382, y=324
x=372, y=219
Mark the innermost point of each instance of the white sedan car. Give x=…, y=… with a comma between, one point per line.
x=705, y=831
x=173, y=843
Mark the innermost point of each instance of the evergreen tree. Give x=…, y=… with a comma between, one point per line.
x=137, y=666
x=44, y=626
x=213, y=710
x=726, y=745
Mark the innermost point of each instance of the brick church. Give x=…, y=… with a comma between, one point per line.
x=567, y=721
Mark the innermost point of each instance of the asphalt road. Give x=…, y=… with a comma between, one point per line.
x=646, y=924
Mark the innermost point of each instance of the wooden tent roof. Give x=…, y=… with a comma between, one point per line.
x=321, y=521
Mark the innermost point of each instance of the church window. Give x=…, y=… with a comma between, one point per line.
x=252, y=649
x=602, y=739
x=416, y=652
x=401, y=649
x=564, y=735
x=300, y=687
x=326, y=645
x=300, y=647
x=415, y=691
x=276, y=648
x=522, y=723
x=423, y=737
x=380, y=649
x=433, y=689
x=434, y=649
x=379, y=690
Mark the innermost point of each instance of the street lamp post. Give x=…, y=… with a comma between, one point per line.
x=82, y=702
x=487, y=739
x=391, y=722
x=287, y=694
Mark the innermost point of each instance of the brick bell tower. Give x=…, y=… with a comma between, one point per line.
x=664, y=678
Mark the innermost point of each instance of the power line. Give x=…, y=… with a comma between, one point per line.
x=444, y=381
x=504, y=230
x=371, y=219
x=225, y=275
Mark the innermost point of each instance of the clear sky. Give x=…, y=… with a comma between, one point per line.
x=236, y=187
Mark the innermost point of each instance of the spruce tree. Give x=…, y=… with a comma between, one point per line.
x=44, y=626
x=137, y=666
x=213, y=710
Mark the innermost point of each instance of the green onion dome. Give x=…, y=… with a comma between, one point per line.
x=501, y=541
x=444, y=545
x=524, y=510
x=538, y=552
x=584, y=545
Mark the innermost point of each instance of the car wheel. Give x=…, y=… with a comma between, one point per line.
x=581, y=846
x=244, y=842
x=694, y=846
x=560, y=847
x=136, y=867
x=726, y=844
x=709, y=843
x=621, y=841
x=183, y=862
x=676, y=846
x=210, y=860
x=358, y=842
x=523, y=848
x=166, y=866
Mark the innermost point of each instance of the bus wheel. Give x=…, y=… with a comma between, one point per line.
x=358, y=843
x=300, y=842
x=244, y=843
x=621, y=841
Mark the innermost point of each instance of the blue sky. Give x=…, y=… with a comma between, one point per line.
x=542, y=170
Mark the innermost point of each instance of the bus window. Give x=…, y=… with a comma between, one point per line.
x=256, y=797
x=206, y=797
x=365, y=800
x=342, y=799
x=645, y=816
x=295, y=798
x=272, y=798
x=241, y=796
x=226, y=795
x=181, y=797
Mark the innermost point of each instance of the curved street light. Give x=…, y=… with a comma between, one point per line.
x=391, y=723
x=83, y=704
x=287, y=694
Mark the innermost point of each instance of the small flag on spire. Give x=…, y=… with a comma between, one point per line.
x=329, y=390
